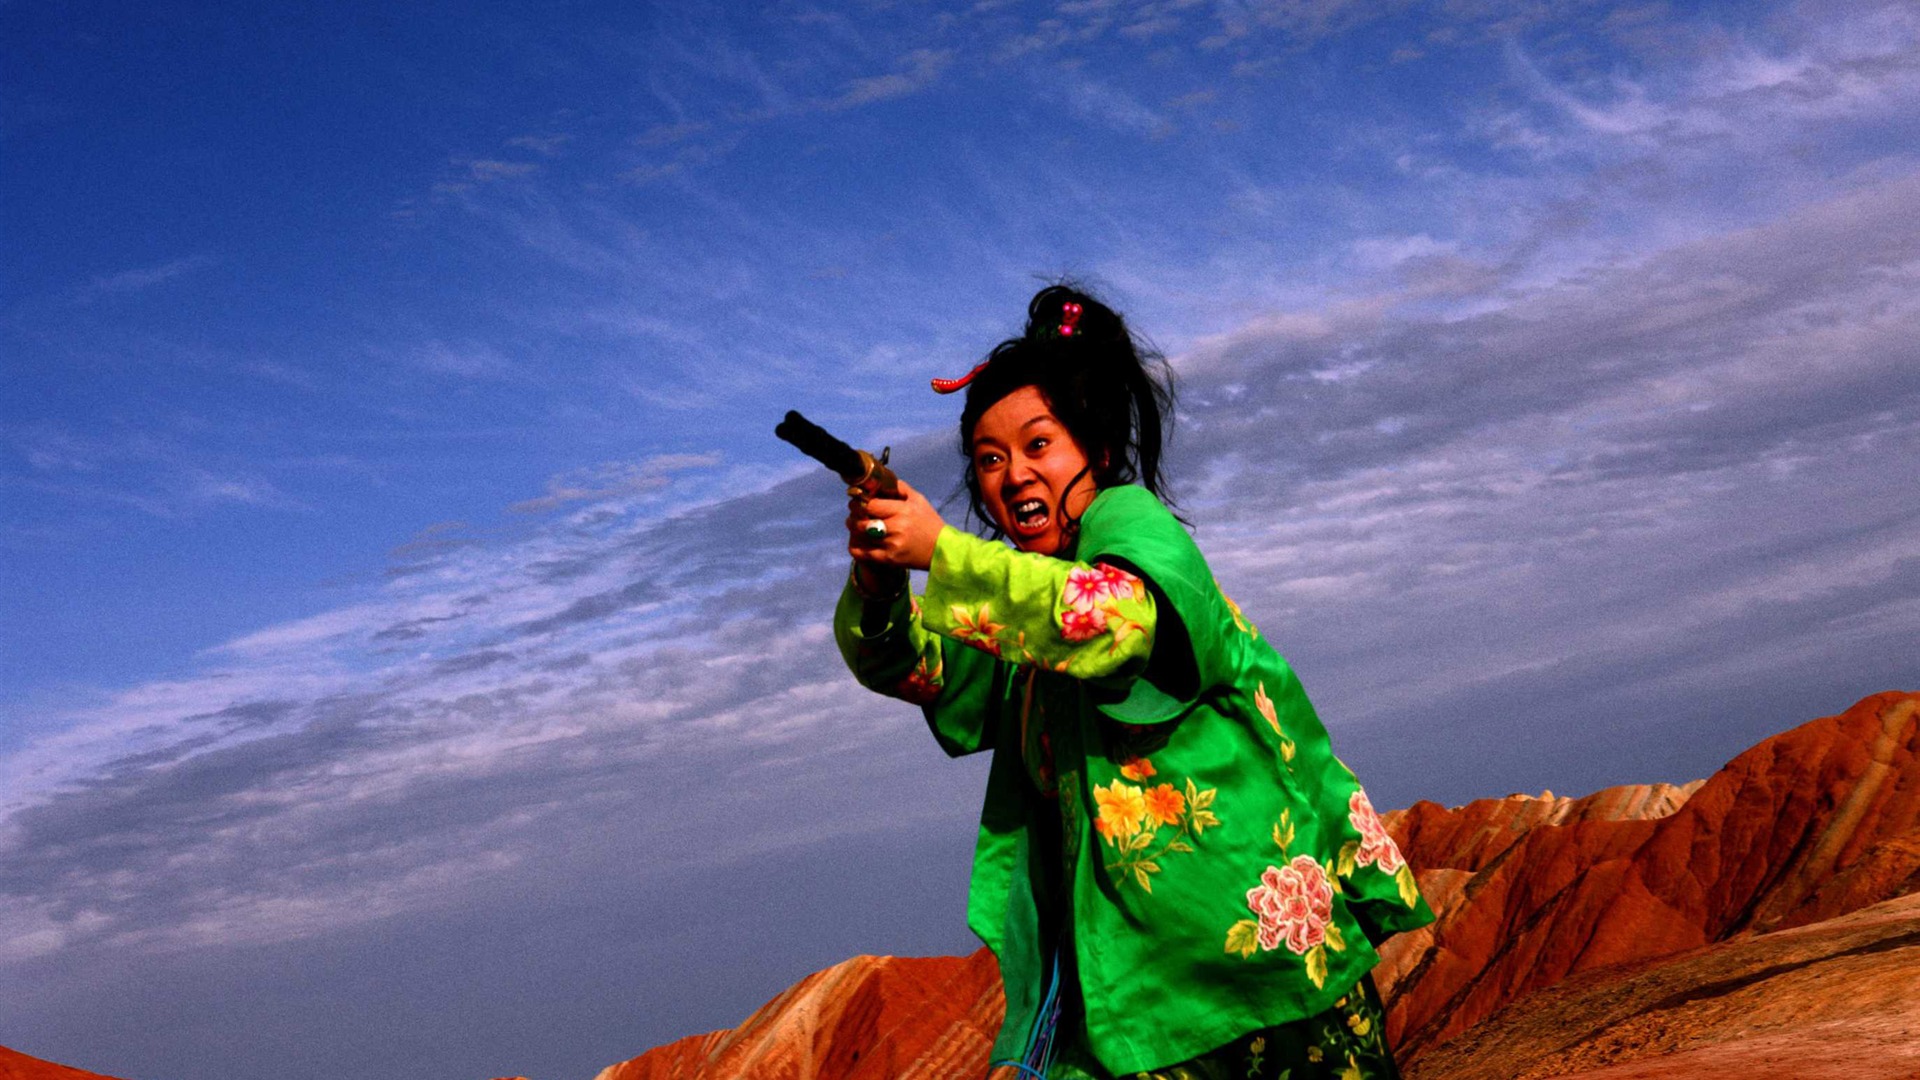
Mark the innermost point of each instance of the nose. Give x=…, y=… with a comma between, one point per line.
x=1019, y=470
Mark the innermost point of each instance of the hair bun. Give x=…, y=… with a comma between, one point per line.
x=1062, y=311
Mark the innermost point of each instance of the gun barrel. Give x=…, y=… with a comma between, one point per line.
x=812, y=440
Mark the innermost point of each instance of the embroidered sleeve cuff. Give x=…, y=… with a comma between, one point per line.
x=1090, y=621
x=886, y=648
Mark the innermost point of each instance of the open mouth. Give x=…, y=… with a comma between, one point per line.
x=1030, y=516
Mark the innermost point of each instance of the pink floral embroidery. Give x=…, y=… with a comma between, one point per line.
x=1087, y=586
x=1091, y=595
x=1376, y=845
x=1294, y=903
x=1120, y=584
x=1077, y=626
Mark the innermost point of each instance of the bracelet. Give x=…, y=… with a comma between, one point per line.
x=853, y=580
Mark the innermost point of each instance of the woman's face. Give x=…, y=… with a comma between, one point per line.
x=1029, y=468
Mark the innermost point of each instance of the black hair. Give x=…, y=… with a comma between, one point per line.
x=1111, y=390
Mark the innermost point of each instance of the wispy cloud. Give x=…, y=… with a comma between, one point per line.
x=690, y=151
x=545, y=145
x=1743, y=93
x=150, y=471
x=667, y=134
x=467, y=360
x=139, y=279
x=1480, y=501
x=1298, y=23
x=364, y=724
x=1525, y=469
x=915, y=72
x=1105, y=104
x=206, y=487
x=613, y=479
x=486, y=169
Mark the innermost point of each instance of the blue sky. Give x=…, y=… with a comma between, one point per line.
x=413, y=640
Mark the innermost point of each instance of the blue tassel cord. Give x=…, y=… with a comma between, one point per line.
x=1033, y=1064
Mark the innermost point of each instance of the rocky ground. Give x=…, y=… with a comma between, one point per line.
x=1838, y=998
x=1764, y=922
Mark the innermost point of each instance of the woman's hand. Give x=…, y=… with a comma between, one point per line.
x=911, y=523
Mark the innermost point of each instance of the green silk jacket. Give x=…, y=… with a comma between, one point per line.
x=1162, y=795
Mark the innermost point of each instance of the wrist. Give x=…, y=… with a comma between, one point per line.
x=878, y=584
x=923, y=560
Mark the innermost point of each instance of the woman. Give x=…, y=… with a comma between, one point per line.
x=1176, y=874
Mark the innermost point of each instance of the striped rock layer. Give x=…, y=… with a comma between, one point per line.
x=1810, y=824
x=868, y=1018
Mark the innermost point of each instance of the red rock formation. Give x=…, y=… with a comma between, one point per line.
x=868, y=1018
x=1449, y=846
x=1832, y=1000
x=1809, y=823
x=15, y=1065
x=1469, y=837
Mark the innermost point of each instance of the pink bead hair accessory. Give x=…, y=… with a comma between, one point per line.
x=1069, y=317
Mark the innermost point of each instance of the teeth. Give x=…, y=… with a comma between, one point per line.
x=1029, y=513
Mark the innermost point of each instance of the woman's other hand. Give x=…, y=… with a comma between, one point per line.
x=911, y=526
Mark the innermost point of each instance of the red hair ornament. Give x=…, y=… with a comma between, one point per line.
x=948, y=386
x=1069, y=318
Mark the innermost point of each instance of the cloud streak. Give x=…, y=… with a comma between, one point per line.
x=142, y=278
x=917, y=70
x=1454, y=514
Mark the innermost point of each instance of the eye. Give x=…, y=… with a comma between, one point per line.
x=1038, y=444
x=986, y=461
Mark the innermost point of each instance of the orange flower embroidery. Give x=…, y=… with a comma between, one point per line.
x=1265, y=704
x=923, y=684
x=1239, y=618
x=1165, y=805
x=1272, y=716
x=978, y=630
x=1131, y=819
x=1136, y=769
x=1122, y=808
